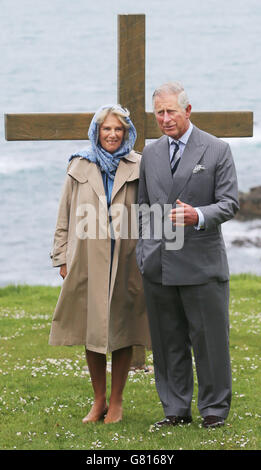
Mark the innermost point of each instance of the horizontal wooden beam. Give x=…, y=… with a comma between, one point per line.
x=220, y=123
x=45, y=126
x=74, y=126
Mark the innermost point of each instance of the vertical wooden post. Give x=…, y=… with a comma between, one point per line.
x=131, y=71
x=131, y=94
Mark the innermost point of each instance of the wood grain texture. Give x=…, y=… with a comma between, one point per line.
x=221, y=123
x=131, y=94
x=74, y=126
x=34, y=126
x=131, y=70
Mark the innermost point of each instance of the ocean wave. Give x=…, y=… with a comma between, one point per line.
x=9, y=166
x=242, y=234
x=27, y=156
x=243, y=244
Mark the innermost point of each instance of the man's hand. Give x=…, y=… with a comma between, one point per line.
x=184, y=214
x=63, y=271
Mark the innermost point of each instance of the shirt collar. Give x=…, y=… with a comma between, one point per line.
x=185, y=137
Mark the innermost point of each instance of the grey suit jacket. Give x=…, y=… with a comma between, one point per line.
x=205, y=178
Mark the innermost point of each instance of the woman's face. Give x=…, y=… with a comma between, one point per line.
x=111, y=133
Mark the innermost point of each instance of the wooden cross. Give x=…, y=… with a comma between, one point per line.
x=131, y=94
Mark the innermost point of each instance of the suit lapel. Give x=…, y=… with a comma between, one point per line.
x=191, y=156
x=162, y=165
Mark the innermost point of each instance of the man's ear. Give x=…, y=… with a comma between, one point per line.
x=188, y=111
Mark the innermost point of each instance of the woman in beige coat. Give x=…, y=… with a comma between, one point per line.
x=101, y=304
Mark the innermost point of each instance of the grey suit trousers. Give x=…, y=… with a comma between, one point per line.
x=182, y=319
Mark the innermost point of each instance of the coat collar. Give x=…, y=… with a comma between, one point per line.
x=128, y=170
x=82, y=171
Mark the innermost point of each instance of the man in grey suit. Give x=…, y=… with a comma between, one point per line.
x=186, y=285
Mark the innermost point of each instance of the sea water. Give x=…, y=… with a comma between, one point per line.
x=61, y=56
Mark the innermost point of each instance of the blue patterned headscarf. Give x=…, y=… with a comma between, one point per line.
x=108, y=162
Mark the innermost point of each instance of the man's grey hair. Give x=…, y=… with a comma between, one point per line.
x=174, y=88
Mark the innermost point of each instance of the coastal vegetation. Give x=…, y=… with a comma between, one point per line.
x=45, y=391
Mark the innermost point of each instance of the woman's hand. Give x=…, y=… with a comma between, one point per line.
x=63, y=271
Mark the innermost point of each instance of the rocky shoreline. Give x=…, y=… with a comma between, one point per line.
x=250, y=213
x=250, y=209
x=247, y=242
x=250, y=204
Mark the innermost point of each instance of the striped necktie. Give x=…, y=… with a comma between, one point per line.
x=175, y=159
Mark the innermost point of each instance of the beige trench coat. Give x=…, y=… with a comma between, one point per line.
x=101, y=313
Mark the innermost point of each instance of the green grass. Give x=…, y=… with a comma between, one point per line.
x=45, y=391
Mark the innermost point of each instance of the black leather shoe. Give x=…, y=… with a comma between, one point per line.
x=213, y=421
x=173, y=421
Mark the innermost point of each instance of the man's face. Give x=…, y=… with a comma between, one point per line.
x=172, y=119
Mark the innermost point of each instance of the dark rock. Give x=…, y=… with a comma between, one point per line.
x=250, y=204
x=247, y=242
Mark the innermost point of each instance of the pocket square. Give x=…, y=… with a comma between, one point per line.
x=198, y=168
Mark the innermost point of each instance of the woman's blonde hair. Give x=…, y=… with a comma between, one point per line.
x=119, y=112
